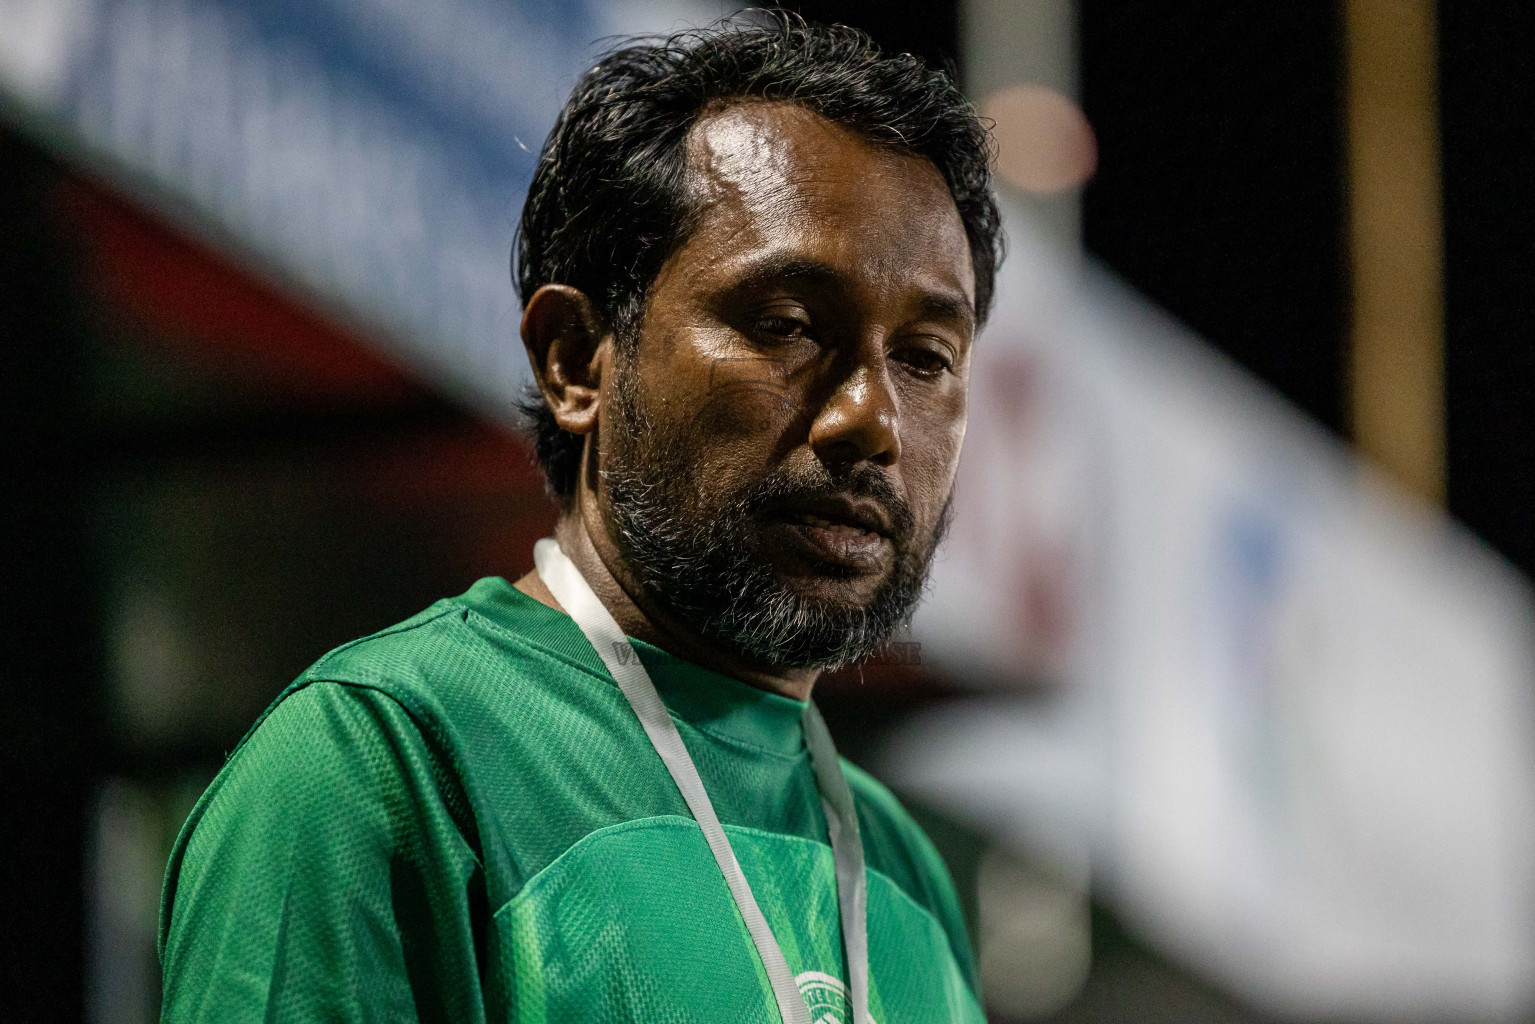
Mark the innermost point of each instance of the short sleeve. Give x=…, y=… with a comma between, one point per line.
x=323, y=876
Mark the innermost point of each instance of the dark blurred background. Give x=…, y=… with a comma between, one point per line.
x=210, y=478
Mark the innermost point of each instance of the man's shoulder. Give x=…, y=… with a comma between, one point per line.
x=446, y=655
x=393, y=688
x=894, y=843
x=401, y=660
x=897, y=847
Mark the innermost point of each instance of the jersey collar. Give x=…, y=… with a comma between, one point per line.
x=714, y=703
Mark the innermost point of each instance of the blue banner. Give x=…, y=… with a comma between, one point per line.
x=371, y=153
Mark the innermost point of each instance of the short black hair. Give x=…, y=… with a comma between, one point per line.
x=607, y=204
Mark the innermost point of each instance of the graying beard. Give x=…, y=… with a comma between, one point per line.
x=706, y=574
x=728, y=596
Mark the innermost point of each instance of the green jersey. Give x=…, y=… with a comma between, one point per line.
x=461, y=819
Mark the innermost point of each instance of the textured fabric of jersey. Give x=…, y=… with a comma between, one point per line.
x=460, y=819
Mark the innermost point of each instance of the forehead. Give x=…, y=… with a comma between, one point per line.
x=776, y=178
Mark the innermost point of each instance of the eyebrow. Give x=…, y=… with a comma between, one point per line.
x=777, y=269
x=944, y=306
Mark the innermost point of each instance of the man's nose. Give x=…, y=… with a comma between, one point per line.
x=859, y=421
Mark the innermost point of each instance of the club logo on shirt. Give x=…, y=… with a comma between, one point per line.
x=825, y=996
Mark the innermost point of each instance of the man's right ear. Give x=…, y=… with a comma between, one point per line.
x=568, y=348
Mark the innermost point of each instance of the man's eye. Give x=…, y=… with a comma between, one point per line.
x=923, y=360
x=782, y=326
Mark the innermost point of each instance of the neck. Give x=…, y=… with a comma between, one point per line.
x=595, y=555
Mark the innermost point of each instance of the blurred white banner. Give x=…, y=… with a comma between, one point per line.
x=1282, y=712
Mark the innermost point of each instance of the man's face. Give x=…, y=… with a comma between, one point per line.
x=777, y=450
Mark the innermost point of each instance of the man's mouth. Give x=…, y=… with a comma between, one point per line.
x=857, y=514
x=851, y=534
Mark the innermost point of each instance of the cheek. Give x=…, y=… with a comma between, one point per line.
x=715, y=441
x=742, y=415
x=739, y=424
x=931, y=451
x=719, y=403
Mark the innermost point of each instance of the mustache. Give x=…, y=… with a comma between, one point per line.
x=809, y=483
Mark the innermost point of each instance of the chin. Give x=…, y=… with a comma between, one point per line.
x=833, y=587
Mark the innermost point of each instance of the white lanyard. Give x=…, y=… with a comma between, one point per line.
x=575, y=595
